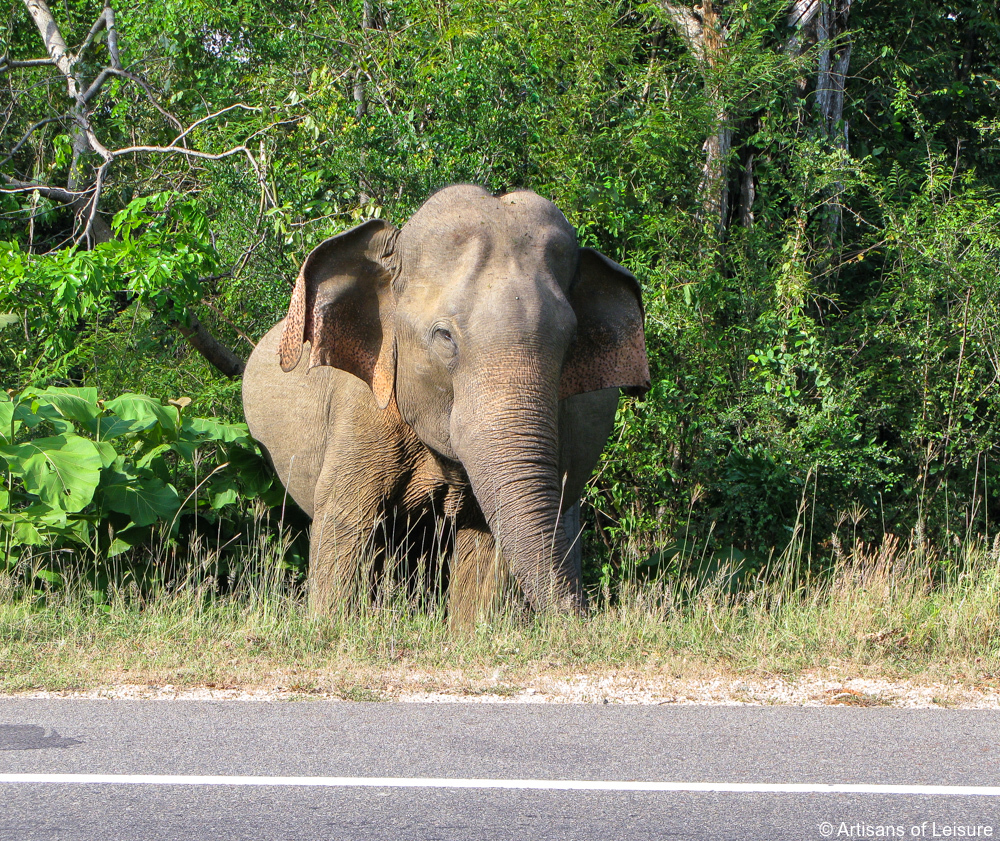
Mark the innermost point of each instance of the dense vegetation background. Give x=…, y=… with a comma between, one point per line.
x=809, y=192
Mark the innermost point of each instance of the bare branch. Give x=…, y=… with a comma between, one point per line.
x=134, y=77
x=6, y=64
x=99, y=24
x=97, y=84
x=244, y=259
x=109, y=16
x=234, y=327
x=95, y=144
x=31, y=131
x=267, y=128
x=197, y=123
x=220, y=356
x=76, y=200
x=88, y=229
x=205, y=156
x=14, y=185
x=180, y=150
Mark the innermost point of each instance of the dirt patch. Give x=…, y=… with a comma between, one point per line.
x=616, y=687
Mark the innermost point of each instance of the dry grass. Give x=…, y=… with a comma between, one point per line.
x=880, y=614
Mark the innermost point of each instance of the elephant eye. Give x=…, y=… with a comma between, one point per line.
x=444, y=341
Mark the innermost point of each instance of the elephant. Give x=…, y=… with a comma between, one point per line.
x=463, y=369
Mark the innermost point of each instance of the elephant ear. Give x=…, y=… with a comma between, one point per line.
x=343, y=305
x=609, y=349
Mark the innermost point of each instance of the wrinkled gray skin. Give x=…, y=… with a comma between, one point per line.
x=467, y=365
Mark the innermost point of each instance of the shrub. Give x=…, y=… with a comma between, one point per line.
x=105, y=486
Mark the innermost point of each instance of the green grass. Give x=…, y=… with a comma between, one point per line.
x=885, y=611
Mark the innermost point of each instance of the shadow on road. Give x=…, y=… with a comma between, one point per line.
x=31, y=737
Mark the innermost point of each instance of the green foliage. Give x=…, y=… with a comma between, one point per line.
x=834, y=345
x=103, y=478
x=162, y=249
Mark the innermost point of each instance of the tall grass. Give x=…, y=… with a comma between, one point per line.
x=889, y=609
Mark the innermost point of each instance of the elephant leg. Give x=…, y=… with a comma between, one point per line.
x=343, y=549
x=574, y=539
x=477, y=580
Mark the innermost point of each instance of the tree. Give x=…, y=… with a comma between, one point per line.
x=718, y=37
x=89, y=112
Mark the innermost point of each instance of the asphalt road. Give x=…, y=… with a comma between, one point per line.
x=433, y=750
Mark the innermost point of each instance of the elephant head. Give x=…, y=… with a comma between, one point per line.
x=476, y=319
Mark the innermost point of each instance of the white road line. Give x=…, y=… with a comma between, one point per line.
x=543, y=785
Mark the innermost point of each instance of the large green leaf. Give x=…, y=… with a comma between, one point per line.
x=12, y=415
x=34, y=525
x=129, y=538
x=109, y=426
x=254, y=473
x=117, y=547
x=217, y=430
x=63, y=470
x=186, y=449
x=144, y=500
x=6, y=418
x=23, y=414
x=50, y=577
x=144, y=409
x=154, y=453
x=46, y=515
x=225, y=497
x=22, y=531
x=75, y=404
x=80, y=529
x=108, y=453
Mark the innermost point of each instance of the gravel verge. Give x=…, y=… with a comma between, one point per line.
x=618, y=687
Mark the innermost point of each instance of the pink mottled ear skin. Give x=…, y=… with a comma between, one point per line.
x=293, y=336
x=343, y=305
x=610, y=346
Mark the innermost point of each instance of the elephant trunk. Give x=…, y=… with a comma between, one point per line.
x=507, y=439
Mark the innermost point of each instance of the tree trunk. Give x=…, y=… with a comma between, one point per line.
x=702, y=31
x=748, y=192
x=715, y=172
x=824, y=22
x=360, y=101
x=834, y=60
x=214, y=351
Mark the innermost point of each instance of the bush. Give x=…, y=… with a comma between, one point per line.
x=98, y=486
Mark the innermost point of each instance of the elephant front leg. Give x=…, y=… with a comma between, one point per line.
x=343, y=552
x=479, y=578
